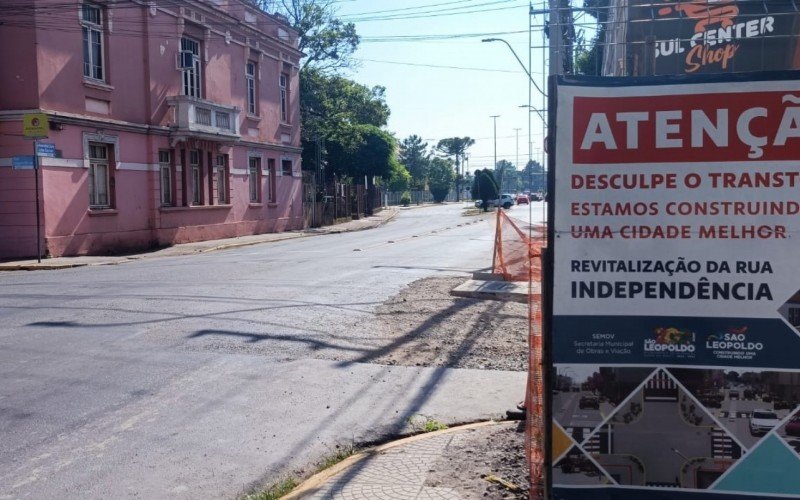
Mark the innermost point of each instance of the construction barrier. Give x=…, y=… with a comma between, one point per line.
x=518, y=257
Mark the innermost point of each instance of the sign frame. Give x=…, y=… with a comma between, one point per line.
x=551, y=358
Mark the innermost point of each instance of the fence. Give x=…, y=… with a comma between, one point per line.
x=337, y=201
x=418, y=197
x=518, y=257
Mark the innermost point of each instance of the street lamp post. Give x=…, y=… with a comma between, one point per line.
x=495, y=117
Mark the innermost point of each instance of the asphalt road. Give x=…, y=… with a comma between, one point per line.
x=199, y=376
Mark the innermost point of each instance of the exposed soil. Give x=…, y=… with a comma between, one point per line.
x=429, y=327
x=426, y=326
x=473, y=457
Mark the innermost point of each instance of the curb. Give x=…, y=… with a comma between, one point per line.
x=315, y=482
x=38, y=267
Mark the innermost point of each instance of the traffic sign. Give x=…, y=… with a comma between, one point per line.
x=46, y=149
x=35, y=125
x=22, y=162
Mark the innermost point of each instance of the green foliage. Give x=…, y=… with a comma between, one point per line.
x=440, y=178
x=340, y=454
x=400, y=179
x=422, y=424
x=405, y=199
x=486, y=187
x=327, y=42
x=506, y=175
x=455, y=146
x=416, y=158
x=533, y=177
x=329, y=104
x=361, y=150
x=275, y=491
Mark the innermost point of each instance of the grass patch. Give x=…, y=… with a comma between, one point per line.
x=341, y=453
x=275, y=491
x=421, y=424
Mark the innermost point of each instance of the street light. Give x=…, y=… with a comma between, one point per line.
x=495, y=117
x=518, y=60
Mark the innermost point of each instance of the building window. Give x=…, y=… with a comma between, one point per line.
x=254, y=176
x=286, y=167
x=197, y=178
x=166, y=178
x=250, y=77
x=99, y=185
x=273, y=195
x=92, y=26
x=284, y=80
x=222, y=179
x=191, y=68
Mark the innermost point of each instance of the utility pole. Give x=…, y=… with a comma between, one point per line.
x=495, y=117
x=517, y=160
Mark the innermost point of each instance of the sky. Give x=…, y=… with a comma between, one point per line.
x=483, y=79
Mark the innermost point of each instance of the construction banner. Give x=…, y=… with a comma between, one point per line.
x=675, y=307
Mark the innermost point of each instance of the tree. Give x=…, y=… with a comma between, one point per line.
x=327, y=42
x=506, y=175
x=533, y=176
x=590, y=61
x=415, y=157
x=331, y=104
x=360, y=151
x=440, y=178
x=456, y=147
x=400, y=179
x=484, y=188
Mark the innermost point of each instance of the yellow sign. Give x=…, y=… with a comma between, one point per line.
x=35, y=125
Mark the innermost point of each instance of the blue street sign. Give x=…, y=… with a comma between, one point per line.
x=22, y=162
x=46, y=149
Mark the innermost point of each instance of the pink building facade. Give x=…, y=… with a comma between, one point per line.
x=173, y=121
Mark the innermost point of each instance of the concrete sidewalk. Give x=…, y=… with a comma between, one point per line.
x=380, y=218
x=397, y=470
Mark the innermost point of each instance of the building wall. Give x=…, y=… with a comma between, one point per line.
x=131, y=113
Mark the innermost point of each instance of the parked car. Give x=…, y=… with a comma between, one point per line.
x=535, y=197
x=793, y=427
x=762, y=421
x=589, y=402
x=522, y=199
x=733, y=394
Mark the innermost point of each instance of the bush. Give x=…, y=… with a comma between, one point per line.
x=405, y=199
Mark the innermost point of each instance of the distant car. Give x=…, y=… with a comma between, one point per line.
x=506, y=201
x=522, y=199
x=762, y=421
x=589, y=402
x=793, y=427
x=535, y=197
x=733, y=394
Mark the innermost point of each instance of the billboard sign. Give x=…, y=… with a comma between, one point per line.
x=675, y=307
x=664, y=37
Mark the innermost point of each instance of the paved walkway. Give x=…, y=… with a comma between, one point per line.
x=373, y=221
x=396, y=471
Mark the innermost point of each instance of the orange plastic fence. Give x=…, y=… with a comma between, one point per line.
x=517, y=257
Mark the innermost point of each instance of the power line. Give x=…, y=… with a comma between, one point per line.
x=438, y=66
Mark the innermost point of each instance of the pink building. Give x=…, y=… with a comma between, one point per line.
x=173, y=121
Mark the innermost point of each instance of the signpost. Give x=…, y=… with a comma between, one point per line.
x=675, y=303
x=36, y=126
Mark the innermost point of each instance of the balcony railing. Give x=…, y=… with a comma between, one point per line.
x=199, y=117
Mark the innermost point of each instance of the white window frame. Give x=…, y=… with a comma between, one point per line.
x=283, y=83
x=97, y=186
x=165, y=177
x=192, y=77
x=251, y=70
x=92, y=69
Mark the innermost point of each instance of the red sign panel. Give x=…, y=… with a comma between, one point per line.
x=748, y=126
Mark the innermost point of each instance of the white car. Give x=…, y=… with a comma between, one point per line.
x=506, y=201
x=763, y=421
